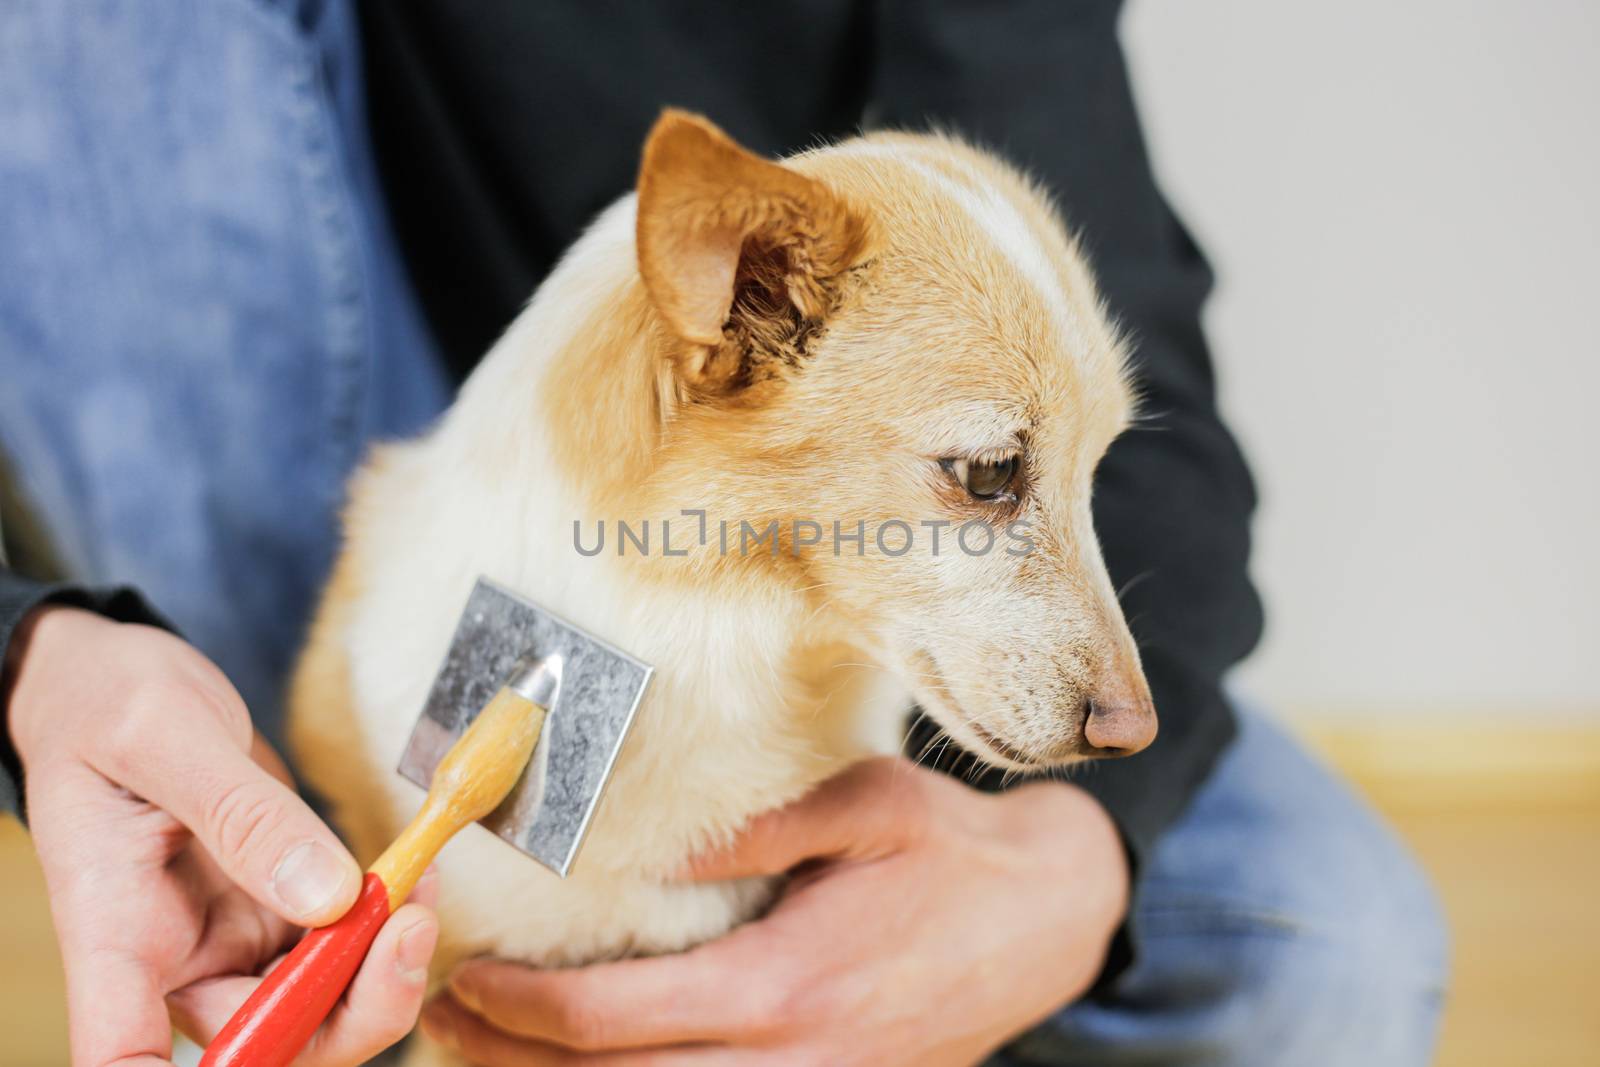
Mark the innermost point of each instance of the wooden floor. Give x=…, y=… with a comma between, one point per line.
x=1507, y=820
x=1509, y=825
x=33, y=1019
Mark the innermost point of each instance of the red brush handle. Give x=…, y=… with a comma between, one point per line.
x=275, y=1022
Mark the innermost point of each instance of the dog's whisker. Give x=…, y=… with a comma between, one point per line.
x=1122, y=590
x=937, y=740
x=1147, y=421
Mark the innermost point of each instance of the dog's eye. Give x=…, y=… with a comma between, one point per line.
x=985, y=480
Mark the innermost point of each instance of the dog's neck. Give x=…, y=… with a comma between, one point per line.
x=562, y=424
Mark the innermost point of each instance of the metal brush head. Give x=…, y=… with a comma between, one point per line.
x=504, y=639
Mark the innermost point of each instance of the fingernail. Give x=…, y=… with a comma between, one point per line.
x=309, y=879
x=437, y=1025
x=415, y=951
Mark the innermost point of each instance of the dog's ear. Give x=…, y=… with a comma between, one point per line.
x=736, y=251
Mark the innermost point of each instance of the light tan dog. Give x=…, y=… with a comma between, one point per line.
x=894, y=332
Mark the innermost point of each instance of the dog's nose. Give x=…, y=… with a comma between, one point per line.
x=1119, y=725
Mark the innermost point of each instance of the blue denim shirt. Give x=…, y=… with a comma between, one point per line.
x=203, y=316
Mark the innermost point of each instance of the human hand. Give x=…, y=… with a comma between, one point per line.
x=924, y=923
x=177, y=858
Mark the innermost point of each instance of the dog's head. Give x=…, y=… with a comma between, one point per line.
x=896, y=335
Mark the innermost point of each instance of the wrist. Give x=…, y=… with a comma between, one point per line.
x=1068, y=825
x=21, y=688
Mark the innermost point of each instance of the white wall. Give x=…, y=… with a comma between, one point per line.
x=1402, y=201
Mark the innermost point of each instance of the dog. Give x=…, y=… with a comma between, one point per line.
x=892, y=333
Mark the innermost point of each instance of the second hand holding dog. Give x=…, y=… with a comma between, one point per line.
x=924, y=923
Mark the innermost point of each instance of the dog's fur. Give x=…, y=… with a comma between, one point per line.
x=805, y=340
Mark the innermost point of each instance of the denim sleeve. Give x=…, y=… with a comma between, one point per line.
x=18, y=596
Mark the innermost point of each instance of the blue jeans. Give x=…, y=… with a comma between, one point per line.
x=203, y=323
x=1280, y=924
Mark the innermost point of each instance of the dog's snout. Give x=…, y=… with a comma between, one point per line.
x=1119, y=723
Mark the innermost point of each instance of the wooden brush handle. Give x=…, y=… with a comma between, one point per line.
x=470, y=781
x=277, y=1020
